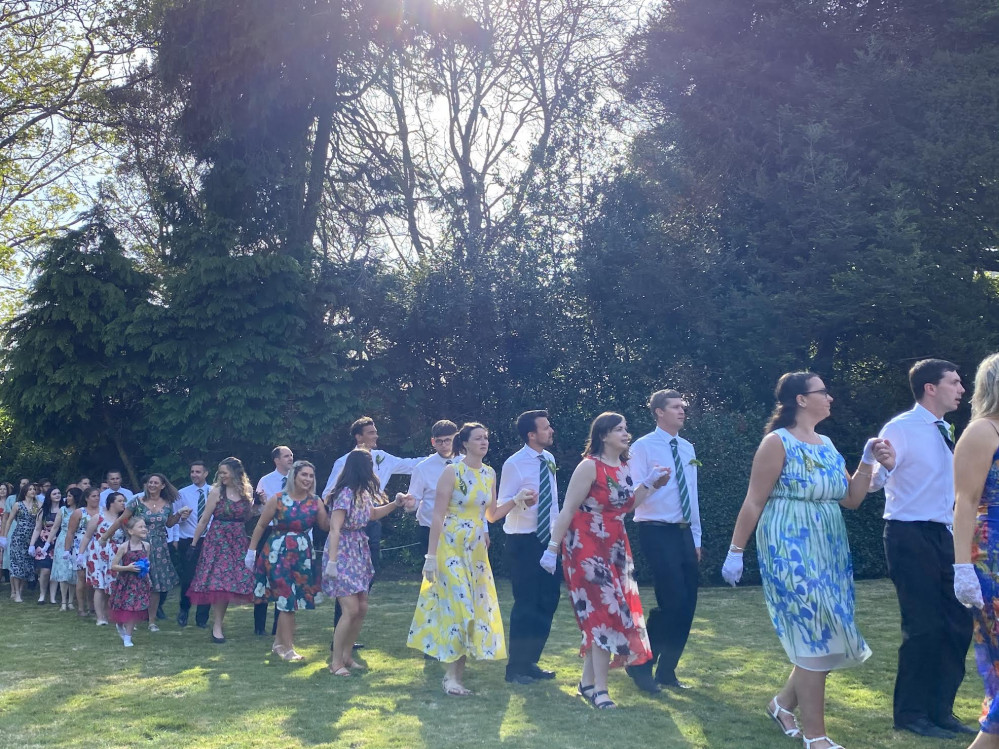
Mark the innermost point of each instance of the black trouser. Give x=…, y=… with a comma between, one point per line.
x=669, y=548
x=374, y=533
x=936, y=628
x=185, y=561
x=423, y=533
x=535, y=597
x=260, y=609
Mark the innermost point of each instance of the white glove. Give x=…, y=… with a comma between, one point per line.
x=81, y=560
x=868, y=458
x=31, y=550
x=657, y=473
x=250, y=559
x=3, y=542
x=66, y=555
x=966, y=586
x=430, y=567
x=330, y=570
x=732, y=569
x=521, y=497
x=45, y=548
x=548, y=561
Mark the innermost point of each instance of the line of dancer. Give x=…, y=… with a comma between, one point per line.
x=287, y=544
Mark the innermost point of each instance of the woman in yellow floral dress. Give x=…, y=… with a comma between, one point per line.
x=458, y=614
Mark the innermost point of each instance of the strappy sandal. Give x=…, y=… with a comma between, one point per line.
x=453, y=689
x=795, y=731
x=342, y=671
x=809, y=742
x=585, y=691
x=607, y=704
x=291, y=655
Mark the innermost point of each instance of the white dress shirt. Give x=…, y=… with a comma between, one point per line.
x=188, y=497
x=663, y=504
x=123, y=491
x=921, y=486
x=386, y=466
x=271, y=484
x=522, y=470
x=423, y=485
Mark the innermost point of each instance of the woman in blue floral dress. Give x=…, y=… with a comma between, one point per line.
x=798, y=483
x=284, y=570
x=976, y=537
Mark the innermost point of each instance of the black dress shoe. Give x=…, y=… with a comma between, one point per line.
x=923, y=727
x=160, y=613
x=536, y=672
x=952, y=724
x=203, y=625
x=357, y=646
x=675, y=683
x=520, y=679
x=217, y=640
x=644, y=681
x=182, y=618
x=259, y=631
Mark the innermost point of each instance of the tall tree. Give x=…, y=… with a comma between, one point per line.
x=75, y=371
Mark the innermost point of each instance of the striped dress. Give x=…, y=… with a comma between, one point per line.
x=805, y=559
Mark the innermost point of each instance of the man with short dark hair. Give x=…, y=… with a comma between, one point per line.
x=915, y=450
x=83, y=483
x=190, y=504
x=528, y=529
x=113, y=479
x=669, y=531
x=423, y=484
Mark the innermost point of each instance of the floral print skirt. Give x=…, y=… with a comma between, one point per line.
x=807, y=576
x=284, y=573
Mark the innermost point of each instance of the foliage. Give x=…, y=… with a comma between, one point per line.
x=74, y=370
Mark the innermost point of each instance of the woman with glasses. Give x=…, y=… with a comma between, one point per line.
x=797, y=485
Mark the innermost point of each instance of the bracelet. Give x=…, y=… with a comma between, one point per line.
x=552, y=546
x=733, y=547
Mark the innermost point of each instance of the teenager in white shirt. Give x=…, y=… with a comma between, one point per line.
x=423, y=484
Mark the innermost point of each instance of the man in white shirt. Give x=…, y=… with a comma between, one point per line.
x=113, y=479
x=423, y=484
x=669, y=531
x=190, y=503
x=273, y=483
x=917, y=473
x=528, y=529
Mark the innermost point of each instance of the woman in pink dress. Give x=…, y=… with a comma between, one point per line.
x=221, y=577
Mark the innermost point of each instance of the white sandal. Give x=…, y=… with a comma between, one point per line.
x=809, y=742
x=793, y=732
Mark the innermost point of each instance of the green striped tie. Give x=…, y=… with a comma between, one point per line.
x=544, y=503
x=944, y=428
x=201, y=503
x=681, y=482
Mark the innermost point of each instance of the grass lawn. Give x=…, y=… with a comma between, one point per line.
x=65, y=683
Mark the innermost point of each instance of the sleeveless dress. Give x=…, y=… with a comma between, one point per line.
x=130, y=593
x=458, y=614
x=81, y=531
x=97, y=572
x=9, y=508
x=600, y=573
x=43, y=561
x=105, y=554
x=22, y=565
x=162, y=574
x=64, y=570
x=985, y=557
x=221, y=576
x=354, y=568
x=284, y=569
x=805, y=560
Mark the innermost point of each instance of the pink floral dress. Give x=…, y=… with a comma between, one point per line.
x=354, y=570
x=221, y=576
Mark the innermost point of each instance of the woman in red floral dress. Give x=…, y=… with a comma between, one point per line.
x=221, y=577
x=284, y=571
x=596, y=556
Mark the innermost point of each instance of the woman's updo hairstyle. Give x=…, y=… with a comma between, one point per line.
x=789, y=387
x=463, y=435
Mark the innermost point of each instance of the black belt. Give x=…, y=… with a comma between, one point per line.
x=664, y=524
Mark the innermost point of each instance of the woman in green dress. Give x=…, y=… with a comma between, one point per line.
x=797, y=485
